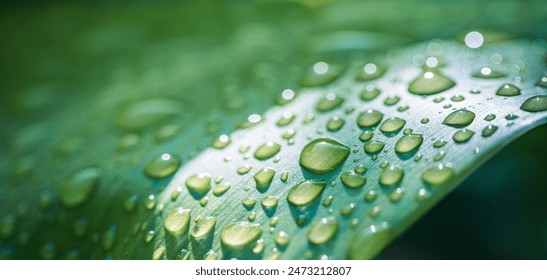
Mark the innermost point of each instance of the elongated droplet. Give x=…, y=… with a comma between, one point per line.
x=408, y=143
x=373, y=147
x=286, y=118
x=542, y=82
x=162, y=166
x=430, y=83
x=240, y=235
x=328, y=103
x=366, y=136
x=460, y=118
x=320, y=74
x=489, y=117
x=263, y=178
x=148, y=113
x=370, y=71
x=487, y=73
x=323, y=230
x=221, y=189
x=369, y=118
x=392, y=100
x=508, y=90
x=369, y=93
x=392, y=125
x=323, y=155
x=221, y=142
x=370, y=241
x=335, y=123
x=203, y=228
x=462, y=136
x=535, y=104
x=109, y=237
x=489, y=130
x=391, y=176
x=177, y=221
x=200, y=183
x=267, y=150
x=305, y=192
x=353, y=180
x=437, y=175
x=79, y=187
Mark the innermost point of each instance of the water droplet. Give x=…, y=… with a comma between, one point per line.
x=366, y=135
x=269, y=202
x=221, y=142
x=323, y=155
x=305, y=192
x=199, y=183
x=535, y=104
x=274, y=221
x=130, y=203
x=439, y=143
x=402, y=108
x=439, y=156
x=489, y=130
x=328, y=201
x=203, y=228
x=335, y=123
x=267, y=150
x=391, y=100
x=183, y=255
x=162, y=166
x=286, y=119
x=460, y=118
x=7, y=226
x=288, y=134
x=487, y=73
x=284, y=177
x=240, y=235
x=221, y=189
x=263, y=178
x=321, y=74
x=437, y=175
x=360, y=169
x=109, y=237
x=177, y=221
x=438, y=99
x=287, y=96
x=408, y=143
x=369, y=93
x=370, y=241
x=353, y=180
x=424, y=120
x=79, y=187
x=348, y=210
x=391, y=176
x=422, y=195
x=244, y=169
x=396, y=195
x=282, y=239
x=128, y=141
x=462, y=136
x=508, y=90
x=211, y=256
x=323, y=230
x=158, y=253
x=489, y=117
x=457, y=98
x=203, y=201
x=248, y=203
x=511, y=117
x=370, y=195
x=259, y=246
x=370, y=71
x=369, y=118
x=329, y=102
x=148, y=113
x=392, y=125
x=430, y=83
x=373, y=147
x=542, y=82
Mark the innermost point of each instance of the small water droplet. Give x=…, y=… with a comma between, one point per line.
x=366, y=136
x=438, y=99
x=269, y=202
x=487, y=73
x=199, y=183
x=489, y=130
x=330, y=102
x=370, y=195
x=305, y=192
x=430, y=83
x=396, y=195
x=203, y=228
x=360, y=169
x=130, y=203
x=264, y=178
x=374, y=212
x=177, y=221
x=424, y=120
x=535, y=104
x=353, y=180
x=373, y=147
x=284, y=177
x=267, y=150
x=408, y=143
x=457, y=98
x=147, y=113
x=162, y=166
x=287, y=96
x=323, y=155
x=221, y=142
x=79, y=187
x=183, y=255
x=158, y=253
x=462, y=136
x=244, y=169
x=437, y=175
x=422, y=195
x=282, y=239
x=511, y=117
x=391, y=176
x=370, y=71
x=392, y=125
x=460, y=118
x=210, y=256
x=240, y=235
x=347, y=210
x=249, y=203
x=221, y=189
x=328, y=201
x=323, y=230
x=109, y=237
x=391, y=100
x=320, y=74
x=508, y=90
x=369, y=93
x=489, y=117
x=369, y=118
x=335, y=123
x=286, y=118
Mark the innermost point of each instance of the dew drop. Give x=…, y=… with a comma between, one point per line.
x=392, y=125
x=487, y=73
x=370, y=71
x=203, y=228
x=323, y=230
x=457, y=98
x=269, y=202
x=360, y=169
x=162, y=166
x=369, y=93
x=391, y=100
x=489, y=117
x=199, y=183
x=542, y=82
x=511, y=117
x=183, y=255
x=430, y=83
x=353, y=180
x=282, y=239
x=462, y=136
x=335, y=123
x=79, y=187
x=437, y=175
x=221, y=189
x=460, y=118
x=264, y=178
x=366, y=136
x=424, y=120
x=370, y=195
x=369, y=118
x=508, y=90
x=240, y=235
x=267, y=150
x=130, y=203
x=147, y=113
x=391, y=176
x=248, y=203
x=408, y=143
x=284, y=177
x=109, y=237
x=221, y=142
x=177, y=221
x=244, y=169
x=305, y=192
x=535, y=104
x=321, y=74
x=328, y=103
x=373, y=147
x=489, y=130
x=286, y=119
x=323, y=155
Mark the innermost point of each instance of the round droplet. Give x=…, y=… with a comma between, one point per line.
x=430, y=83
x=489, y=130
x=462, y=136
x=162, y=166
x=508, y=90
x=323, y=155
x=487, y=73
x=353, y=180
x=392, y=125
x=535, y=104
x=282, y=238
x=511, y=117
x=330, y=102
x=199, y=183
x=370, y=71
x=369, y=93
x=320, y=74
x=269, y=202
x=391, y=176
x=221, y=142
x=373, y=147
x=267, y=150
x=335, y=123
x=369, y=118
x=177, y=221
x=366, y=136
x=323, y=230
x=203, y=228
x=408, y=143
x=264, y=178
x=240, y=235
x=460, y=118
x=437, y=175
x=305, y=192
x=79, y=187
x=148, y=113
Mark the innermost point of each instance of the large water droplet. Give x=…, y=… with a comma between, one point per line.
x=79, y=187
x=408, y=143
x=437, y=175
x=508, y=90
x=460, y=118
x=323, y=155
x=305, y=192
x=462, y=136
x=369, y=118
x=203, y=228
x=373, y=147
x=269, y=202
x=263, y=178
x=109, y=237
x=323, y=230
x=430, y=83
x=267, y=150
x=162, y=166
x=353, y=180
x=535, y=104
x=392, y=125
x=240, y=235
x=391, y=176
x=199, y=183
x=177, y=221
